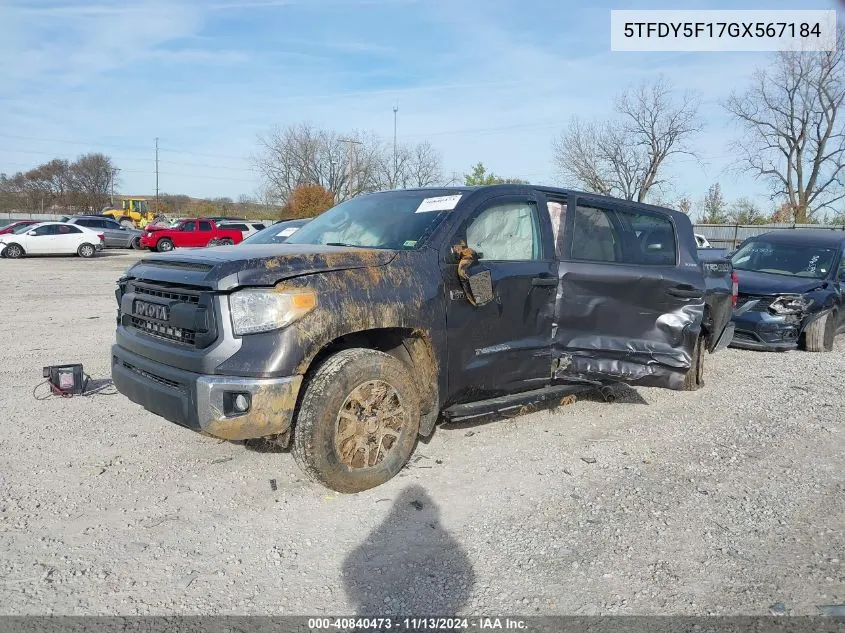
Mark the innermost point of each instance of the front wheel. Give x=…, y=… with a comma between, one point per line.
x=135, y=244
x=694, y=378
x=358, y=421
x=819, y=335
x=164, y=245
x=13, y=251
x=226, y=242
x=86, y=250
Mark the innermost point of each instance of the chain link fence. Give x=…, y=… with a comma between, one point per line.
x=729, y=236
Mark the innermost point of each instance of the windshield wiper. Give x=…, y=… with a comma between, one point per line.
x=342, y=244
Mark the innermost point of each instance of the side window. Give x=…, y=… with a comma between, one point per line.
x=64, y=229
x=506, y=232
x=205, y=226
x=594, y=238
x=655, y=239
x=49, y=229
x=110, y=224
x=188, y=226
x=557, y=215
x=84, y=222
x=259, y=226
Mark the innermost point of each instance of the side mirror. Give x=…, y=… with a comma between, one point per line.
x=481, y=286
x=842, y=274
x=30, y=233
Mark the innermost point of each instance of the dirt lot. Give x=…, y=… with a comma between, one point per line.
x=725, y=501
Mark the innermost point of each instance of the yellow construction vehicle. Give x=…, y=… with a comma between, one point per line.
x=133, y=210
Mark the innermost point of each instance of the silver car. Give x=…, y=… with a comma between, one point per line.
x=117, y=236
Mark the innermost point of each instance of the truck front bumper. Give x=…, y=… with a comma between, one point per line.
x=206, y=403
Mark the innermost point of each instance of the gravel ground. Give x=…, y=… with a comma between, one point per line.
x=728, y=500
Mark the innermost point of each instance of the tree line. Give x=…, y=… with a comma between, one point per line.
x=82, y=185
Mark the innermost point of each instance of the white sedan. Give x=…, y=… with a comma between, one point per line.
x=51, y=238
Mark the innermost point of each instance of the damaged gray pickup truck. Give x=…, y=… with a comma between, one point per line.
x=397, y=309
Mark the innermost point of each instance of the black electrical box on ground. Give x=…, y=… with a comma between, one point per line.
x=66, y=379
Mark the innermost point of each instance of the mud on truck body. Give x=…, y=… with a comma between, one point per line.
x=395, y=310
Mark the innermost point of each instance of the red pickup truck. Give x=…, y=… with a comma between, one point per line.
x=189, y=233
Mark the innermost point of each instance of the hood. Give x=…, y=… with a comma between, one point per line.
x=227, y=267
x=751, y=283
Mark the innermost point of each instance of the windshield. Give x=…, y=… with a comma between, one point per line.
x=391, y=220
x=794, y=260
x=276, y=234
x=23, y=228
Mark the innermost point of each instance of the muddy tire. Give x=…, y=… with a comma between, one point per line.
x=13, y=251
x=358, y=421
x=819, y=335
x=164, y=245
x=694, y=378
x=86, y=250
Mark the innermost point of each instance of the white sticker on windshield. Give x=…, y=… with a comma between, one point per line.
x=440, y=203
x=287, y=232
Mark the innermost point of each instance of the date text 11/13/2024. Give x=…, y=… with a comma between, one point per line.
x=416, y=624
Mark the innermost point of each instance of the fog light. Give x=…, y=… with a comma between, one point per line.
x=241, y=402
x=236, y=402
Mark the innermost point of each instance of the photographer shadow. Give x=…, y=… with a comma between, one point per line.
x=409, y=565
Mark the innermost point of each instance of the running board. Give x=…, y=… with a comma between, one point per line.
x=510, y=404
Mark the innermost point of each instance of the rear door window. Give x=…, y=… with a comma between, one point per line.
x=205, y=226
x=655, y=234
x=594, y=237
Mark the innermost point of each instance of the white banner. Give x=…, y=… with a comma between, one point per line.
x=722, y=30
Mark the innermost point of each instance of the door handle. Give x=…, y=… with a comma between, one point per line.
x=544, y=281
x=685, y=291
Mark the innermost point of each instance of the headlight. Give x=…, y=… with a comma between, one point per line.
x=263, y=309
x=790, y=304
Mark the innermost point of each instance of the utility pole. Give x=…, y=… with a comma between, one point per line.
x=113, y=176
x=350, y=159
x=395, y=163
x=156, y=174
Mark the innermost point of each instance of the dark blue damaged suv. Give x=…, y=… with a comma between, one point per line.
x=791, y=287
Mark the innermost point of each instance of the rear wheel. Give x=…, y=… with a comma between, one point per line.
x=819, y=335
x=164, y=245
x=86, y=250
x=13, y=251
x=226, y=242
x=358, y=421
x=136, y=243
x=694, y=378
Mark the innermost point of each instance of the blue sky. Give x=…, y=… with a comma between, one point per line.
x=490, y=80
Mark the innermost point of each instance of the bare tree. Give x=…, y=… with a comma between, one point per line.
x=304, y=155
x=91, y=175
x=714, y=209
x=625, y=157
x=421, y=166
x=793, y=135
x=345, y=165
